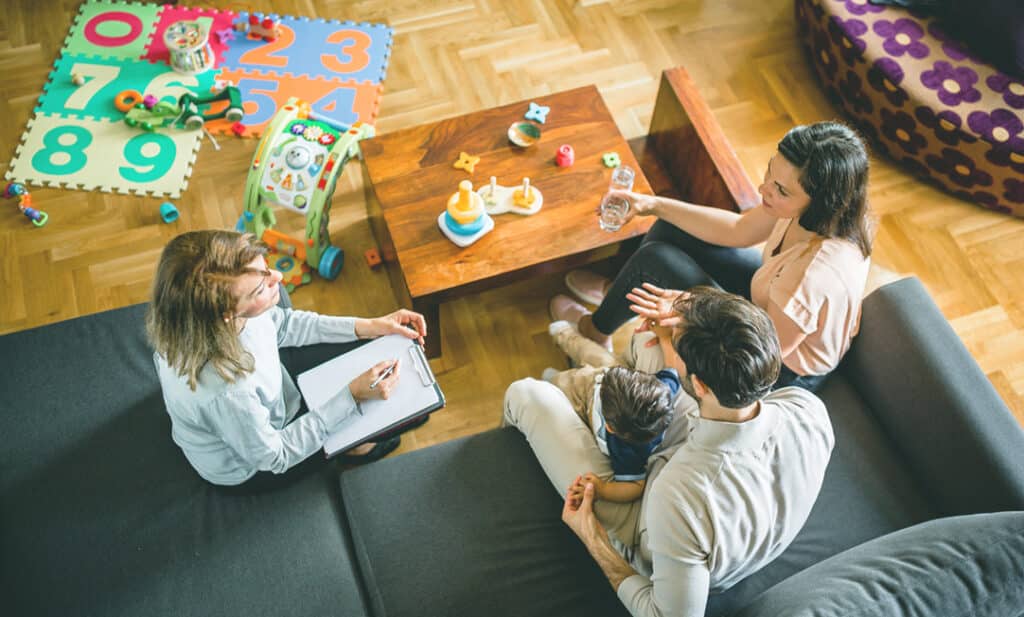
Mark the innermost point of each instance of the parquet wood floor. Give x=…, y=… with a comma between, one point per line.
x=450, y=57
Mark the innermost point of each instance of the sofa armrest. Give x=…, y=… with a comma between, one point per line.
x=688, y=145
x=942, y=413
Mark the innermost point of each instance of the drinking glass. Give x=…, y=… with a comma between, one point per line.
x=614, y=212
x=622, y=178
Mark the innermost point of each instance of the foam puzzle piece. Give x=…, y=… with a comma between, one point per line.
x=344, y=102
x=318, y=49
x=105, y=78
x=103, y=155
x=214, y=20
x=112, y=29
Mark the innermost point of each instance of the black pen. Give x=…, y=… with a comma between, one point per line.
x=380, y=378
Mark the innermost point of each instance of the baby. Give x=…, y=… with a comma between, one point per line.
x=628, y=410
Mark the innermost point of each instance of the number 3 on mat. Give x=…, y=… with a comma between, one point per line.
x=64, y=153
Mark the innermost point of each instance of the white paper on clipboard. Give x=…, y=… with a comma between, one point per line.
x=417, y=391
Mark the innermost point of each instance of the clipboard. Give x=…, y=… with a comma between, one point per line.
x=416, y=394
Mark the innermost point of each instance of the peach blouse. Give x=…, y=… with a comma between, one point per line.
x=818, y=284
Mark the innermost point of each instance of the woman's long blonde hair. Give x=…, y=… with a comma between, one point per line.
x=191, y=297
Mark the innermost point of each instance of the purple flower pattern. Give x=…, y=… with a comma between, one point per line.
x=1011, y=89
x=1014, y=190
x=886, y=75
x=902, y=36
x=1001, y=128
x=846, y=35
x=916, y=167
x=955, y=84
x=946, y=125
x=860, y=7
x=823, y=55
x=900, y=128
x=852, y=90
x=959, y=168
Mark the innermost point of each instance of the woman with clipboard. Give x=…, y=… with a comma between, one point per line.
x=216, y=328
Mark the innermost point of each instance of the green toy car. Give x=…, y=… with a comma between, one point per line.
x=187, y=113
x=195, y=118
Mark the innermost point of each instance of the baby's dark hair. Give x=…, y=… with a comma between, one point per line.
x=636, y=405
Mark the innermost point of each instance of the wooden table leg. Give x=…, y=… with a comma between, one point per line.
x=432, y=314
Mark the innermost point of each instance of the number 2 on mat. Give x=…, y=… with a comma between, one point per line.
x=264, y=54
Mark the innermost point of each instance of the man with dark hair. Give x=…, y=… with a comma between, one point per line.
x=732, y=482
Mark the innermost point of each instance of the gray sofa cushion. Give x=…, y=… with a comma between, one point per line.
x=102, y=515
x=959, y=440
x=469, y=527
x=867, y=493
x=967, y=566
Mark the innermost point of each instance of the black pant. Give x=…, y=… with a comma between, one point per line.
x=673, y=259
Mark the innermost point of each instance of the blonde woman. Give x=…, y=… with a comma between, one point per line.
x=216, y=328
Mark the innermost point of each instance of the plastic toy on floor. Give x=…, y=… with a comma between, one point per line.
x=16, y=189
x=523, y=199
x=296, y=166
x=465, y=220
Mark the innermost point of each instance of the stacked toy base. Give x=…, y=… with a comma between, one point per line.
x=464, y=235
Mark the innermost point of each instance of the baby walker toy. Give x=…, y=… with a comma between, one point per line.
x=296, y=166
x=16, y=189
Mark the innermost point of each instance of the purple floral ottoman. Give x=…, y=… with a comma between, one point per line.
x=921, y=97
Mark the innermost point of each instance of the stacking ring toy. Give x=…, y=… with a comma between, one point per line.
x=127, y=99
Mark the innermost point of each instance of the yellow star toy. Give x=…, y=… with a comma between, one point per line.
x=467, y=162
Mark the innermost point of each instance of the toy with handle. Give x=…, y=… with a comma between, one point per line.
x=296, y=166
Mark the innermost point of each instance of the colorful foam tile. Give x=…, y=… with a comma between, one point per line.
x=343, y=102
x=105, y=78
x=103, y=155
x=112, y=29
x=317, y=48
x=213, y=19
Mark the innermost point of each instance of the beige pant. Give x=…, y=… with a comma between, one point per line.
x=565, y=446
x=592, y=359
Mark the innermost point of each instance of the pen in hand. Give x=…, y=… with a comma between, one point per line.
x=382, y=376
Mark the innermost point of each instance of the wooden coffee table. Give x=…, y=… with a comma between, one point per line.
x=408, y=177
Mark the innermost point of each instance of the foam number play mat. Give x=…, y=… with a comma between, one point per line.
x=136, y=85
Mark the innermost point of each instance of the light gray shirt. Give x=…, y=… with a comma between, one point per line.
x=229, y=431
x=725, y=501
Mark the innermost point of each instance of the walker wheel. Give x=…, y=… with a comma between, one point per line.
x=331, y=262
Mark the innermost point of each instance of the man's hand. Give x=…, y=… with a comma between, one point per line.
x=655, y=305
x=393, y=323
x=580, y=484
x=579, y=515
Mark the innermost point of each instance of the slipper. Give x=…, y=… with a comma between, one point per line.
x=587, y=286
x=563, y=308
x=377, y=452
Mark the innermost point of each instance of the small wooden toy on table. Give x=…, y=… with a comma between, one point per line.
x=524, y=199
x=296, y=166
x=465, y=220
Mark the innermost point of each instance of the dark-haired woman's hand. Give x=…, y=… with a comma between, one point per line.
x=370, y=385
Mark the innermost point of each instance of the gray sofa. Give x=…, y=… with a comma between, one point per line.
x=102, y=515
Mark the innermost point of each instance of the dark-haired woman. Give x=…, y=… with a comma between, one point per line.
x=810, y=277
